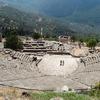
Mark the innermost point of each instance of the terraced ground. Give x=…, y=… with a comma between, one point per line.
x=88, y=75
x=20, y=70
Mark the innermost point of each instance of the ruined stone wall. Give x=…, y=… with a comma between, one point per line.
x=18, y=55
x=21, y=56
x=91, y=59
x=15, y=65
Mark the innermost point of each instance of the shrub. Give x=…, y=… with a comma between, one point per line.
x=36, y=35
x=13, y=42
x=91, y=42
x=95, y=91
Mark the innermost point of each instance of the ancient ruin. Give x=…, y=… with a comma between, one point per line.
x=49, y=65
x=51, y=72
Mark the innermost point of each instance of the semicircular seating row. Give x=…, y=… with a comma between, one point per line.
x=91, y=59
x=22, y=56
x=89, y=77
x=88, y=64
x=11, y=70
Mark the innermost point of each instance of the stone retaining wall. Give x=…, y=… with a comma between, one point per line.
x=91, y=59
x=19, y=55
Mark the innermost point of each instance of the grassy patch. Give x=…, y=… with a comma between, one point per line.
x=65, y=96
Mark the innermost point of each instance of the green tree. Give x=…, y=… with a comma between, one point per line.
x=73, y=38
x=36, y=35
x=13, y=42
x=46, y=36
x=91, y=42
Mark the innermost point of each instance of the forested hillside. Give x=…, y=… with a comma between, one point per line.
x=27, y=23
x=79, y=11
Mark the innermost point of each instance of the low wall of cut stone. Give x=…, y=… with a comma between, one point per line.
x=91, y=59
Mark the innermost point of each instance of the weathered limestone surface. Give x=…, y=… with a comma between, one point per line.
x=91, y=59
x=59, y=65
x=15, y=69
x=89, y=70
x=20, y=70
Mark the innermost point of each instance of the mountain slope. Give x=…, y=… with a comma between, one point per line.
x=27, y=23
x=82, y=11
